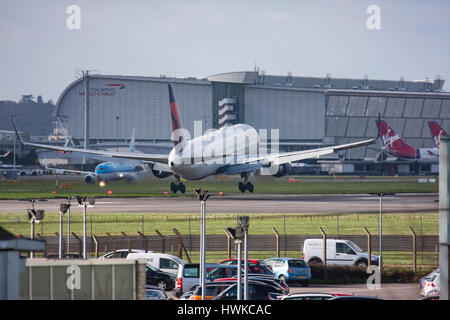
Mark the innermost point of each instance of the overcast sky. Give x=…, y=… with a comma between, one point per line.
x=39, y=54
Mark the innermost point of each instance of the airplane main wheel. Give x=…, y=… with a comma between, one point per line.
x=182, y=188
x=250, y=187
x=173, y=187
x=241, y=187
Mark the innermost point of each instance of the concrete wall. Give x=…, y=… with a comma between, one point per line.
x=92, y=279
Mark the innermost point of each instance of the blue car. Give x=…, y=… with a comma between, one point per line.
x=290, y=269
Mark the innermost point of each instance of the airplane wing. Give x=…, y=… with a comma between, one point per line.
x=288, y=157
x=255, y=163
x=70, y=171
x=159, y=158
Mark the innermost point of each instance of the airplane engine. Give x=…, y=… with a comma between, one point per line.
x=161, y=174
x=131, y=177
x=283, y=170
x=90, y=178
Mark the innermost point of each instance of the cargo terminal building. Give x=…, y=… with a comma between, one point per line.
x=309, y=112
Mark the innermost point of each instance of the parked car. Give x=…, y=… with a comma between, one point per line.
x=290, y=269
x=163, y=261
x=311, y=296
x=120, y=253
x=188, y=275
x=339, y=252
x=235, y=261
x=431, y=283
x=421, y=280
x=256, y=291
x=355, y=298
x=212, y=290
x=273, y=281
x=156, y=277
x=275, y=289
x=154, y=293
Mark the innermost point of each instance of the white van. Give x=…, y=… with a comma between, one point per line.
x=163, y=261
x=339, y=252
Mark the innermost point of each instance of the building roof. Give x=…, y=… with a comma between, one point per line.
x=8, y=241
x=260, y=78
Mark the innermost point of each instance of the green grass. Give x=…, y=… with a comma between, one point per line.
x=46, y=188
x=260, y=224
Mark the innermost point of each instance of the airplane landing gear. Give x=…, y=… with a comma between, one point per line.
x=246, y=185
x=178, y=186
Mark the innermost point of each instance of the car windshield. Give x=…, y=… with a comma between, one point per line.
x=152, y=268
x=354, y=246
x=297, y=263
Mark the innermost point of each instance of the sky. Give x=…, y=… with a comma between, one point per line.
x=40, y=54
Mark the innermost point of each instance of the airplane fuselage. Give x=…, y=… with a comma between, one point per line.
x=109, y=171
x=206, y=155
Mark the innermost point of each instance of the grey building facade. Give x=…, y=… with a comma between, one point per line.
x=308, y=111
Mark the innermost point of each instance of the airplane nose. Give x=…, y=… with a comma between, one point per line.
x=176, y=161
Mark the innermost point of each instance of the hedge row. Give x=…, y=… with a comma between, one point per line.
x=346, y=274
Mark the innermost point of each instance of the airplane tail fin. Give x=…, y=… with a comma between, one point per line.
x=177, y=128
x=132, y=141
x=436, y=132
x=392, y=142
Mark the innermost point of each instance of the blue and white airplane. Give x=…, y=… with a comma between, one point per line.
x=129, y=170
x=242, y=154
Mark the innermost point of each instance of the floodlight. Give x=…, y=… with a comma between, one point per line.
x=63, y=207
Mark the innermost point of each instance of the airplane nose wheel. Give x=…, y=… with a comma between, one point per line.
x=179, y=186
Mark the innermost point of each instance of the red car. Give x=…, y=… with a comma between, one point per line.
x=250, y=261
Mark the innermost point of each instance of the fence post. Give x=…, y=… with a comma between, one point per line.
x=80, y=244
x=229, y=238
x=45, y=247
x=179, y=239
x=96, y=245
x=129, y=241
x=369, y=247
x=324, y=236
x=277, y=235
x=181, y=246
x=113, y=242
x=414, y=249
x=163, y=241
x=145, y=241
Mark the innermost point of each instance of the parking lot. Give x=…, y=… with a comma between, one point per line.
x=390, y=291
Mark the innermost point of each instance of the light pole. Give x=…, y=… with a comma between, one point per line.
x=35, y=216
x=202, y=196
x=243, y=225
x=85, y=202
x=380, y=226
x=117, y=133
x=62, y=210
x=68, y=224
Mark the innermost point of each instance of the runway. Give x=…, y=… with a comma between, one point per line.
x=247, y=203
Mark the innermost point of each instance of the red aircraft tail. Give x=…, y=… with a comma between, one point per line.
x=177, y=136
x=436, y=132
x=393, y=144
